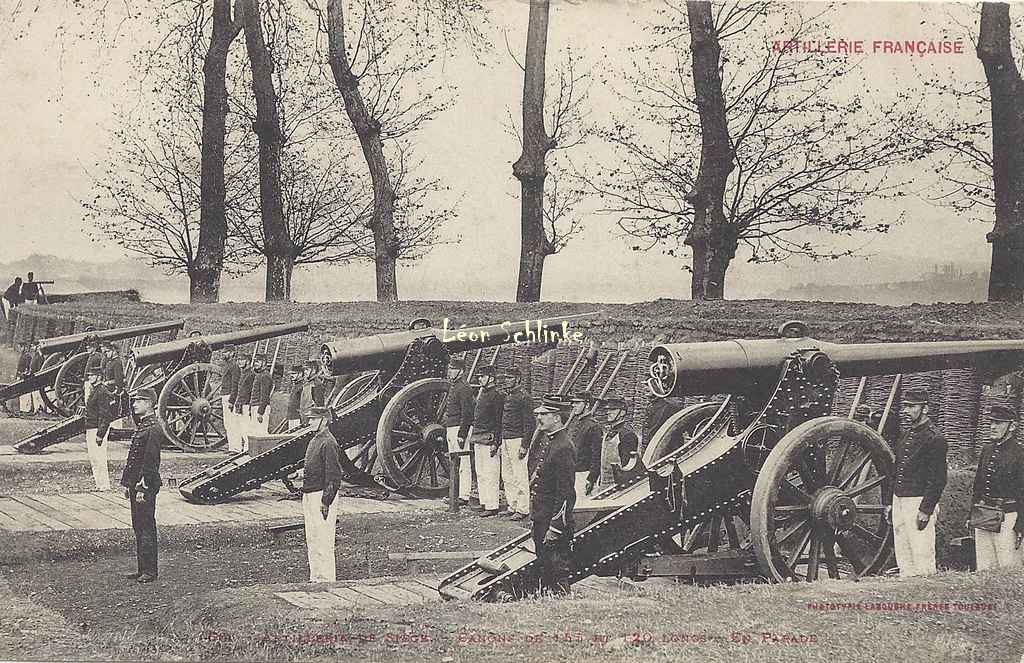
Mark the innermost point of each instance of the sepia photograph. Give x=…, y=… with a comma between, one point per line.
x=511, y=330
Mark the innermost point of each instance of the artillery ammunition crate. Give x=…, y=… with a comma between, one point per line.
x=259, y=444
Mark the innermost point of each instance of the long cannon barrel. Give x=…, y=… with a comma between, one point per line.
x=172, y=350
x=373, y=352
x=690, y=369
x=72, y=341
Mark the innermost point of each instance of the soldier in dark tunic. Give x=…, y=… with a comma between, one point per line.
x=228, y=388
x=618, y=444
x=241, y=398
x=551, y=464
x=96, y=361
x=586, y=435
x=458, y=417
x=113, y=368
x=920, y=480
x=99, y=412
x=141, y=481
x=259, y=399
x=24, y=370
x=36, y=365
x=999, y=485
x=517, y=426
x=486, y=440
x=320, y=483
x=294, y=415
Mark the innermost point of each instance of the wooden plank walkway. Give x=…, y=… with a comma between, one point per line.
x=110, y=510
x=417, y=589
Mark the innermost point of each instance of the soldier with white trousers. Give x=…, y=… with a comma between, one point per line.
x=517, y=427
x=998, y=495
x=920, y=480
x=458, y=417
x=320, y=484
x=486, y=440
x=99, y=412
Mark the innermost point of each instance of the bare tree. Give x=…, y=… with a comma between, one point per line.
x=1006, y=280
x=797, y=156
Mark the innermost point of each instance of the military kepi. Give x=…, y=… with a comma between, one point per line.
x=1002, y=413
x=553, y=403
x=915, y=397
x=145, y=394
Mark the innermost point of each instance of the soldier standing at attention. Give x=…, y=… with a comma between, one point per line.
x=241, y=400
x=320, y=484
x=998, y=495
x=586, y=435
x=99, y=412
x=141, y=481
x=113, y=368
x=920, y=480
x=30, y=290
x=35, y=365
x=95, y=362
x=259, y=400
x=229, y=387
x=551, y=464
x=294, y=414
x=458, y=417
x=517, y=426
x=486, y=440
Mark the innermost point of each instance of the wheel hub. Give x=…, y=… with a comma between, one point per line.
x=833, y=509
x=200, y=407
x=435, y=434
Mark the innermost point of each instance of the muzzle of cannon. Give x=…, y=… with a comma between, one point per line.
x=75, y=342
x=388, y=422
x=764, y=483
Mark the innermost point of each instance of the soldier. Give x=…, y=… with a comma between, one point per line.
x=486, y=440
x=517, y=426
x=30, y=290
x=13, y=294
x=920, y=479
x=659, y=412
x=35, y=365
x=113, y=368
x=99, y=412
x=458, y=417
x=95, y=361
x=228, y=388
x=618, y=443
x=551, y=464
x=295, y=414
x=259, y=399
x=24, y=370
x=585, y=434
x=141, y=481
x=998, y=495
x=320, y=485
x=240, y=401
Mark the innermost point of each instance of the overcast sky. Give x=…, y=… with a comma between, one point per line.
x=59, y=97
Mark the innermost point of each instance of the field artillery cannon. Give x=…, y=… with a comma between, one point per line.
x=389, y=425
x=59, y=381
x=789, y=492
x=189, y=407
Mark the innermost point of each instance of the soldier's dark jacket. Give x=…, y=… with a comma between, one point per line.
x=114, y=372
x=921, y=465
x=659, y=412
x=458, y=409
x=144, y=457
x=517, y=417
x=628, y=440
x=295, y=400
x=100, y=409
x=586, y=435
x=229, y=383
x=487, y=415
x=36, y=363
x=1001, y=476
x=96, y=362
x=552, y=470
x=262, y=386
x=24, y=363
x=244, y=391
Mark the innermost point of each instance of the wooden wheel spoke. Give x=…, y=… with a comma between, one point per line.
x=865, y=487
x=439, y=410
x=871, y=509
x=797, y=550
x=405, y=435
x=433, y=470
x=792, y=509
x=364, y=451
x=796, y=493
x=420, y=467
x=856, y=471
x=814, y=554
x=837, y=465
x=407, y=445
x=866, y=535
x=410, y=460
x=791, y=531
x=806, y=474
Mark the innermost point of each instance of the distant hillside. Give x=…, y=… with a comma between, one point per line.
x=944, y=284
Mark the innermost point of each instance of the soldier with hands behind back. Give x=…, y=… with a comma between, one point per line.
x=486, y=440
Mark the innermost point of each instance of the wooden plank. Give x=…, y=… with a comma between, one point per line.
x=29, y=519
x=383, y=593
x=67, y=519
x=354, y=597
x=6, y=522
x=267, y=511
x=431, y=582
x=447, y=554
x=312, y=600
x=427, y=593
x=120, y=512
x=403, y=595
x=90, y=518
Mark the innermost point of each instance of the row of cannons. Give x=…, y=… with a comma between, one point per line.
x=764, y=479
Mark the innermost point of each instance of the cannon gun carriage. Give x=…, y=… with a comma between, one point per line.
x=766, y=483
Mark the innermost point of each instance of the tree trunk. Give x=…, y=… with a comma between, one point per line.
x=1006, y=280
x=204, y=276
x=277, y=244
x=711, y=238
x=367, y=128
x=279, y=276
x=529, y=168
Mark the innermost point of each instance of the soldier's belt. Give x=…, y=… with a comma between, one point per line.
x=1006, y=504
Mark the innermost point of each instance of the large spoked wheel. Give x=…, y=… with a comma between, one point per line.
x=146, y=376
x=352, y=390
x=411, y=439
x=677, y=431
x=190, y=410
x=67, y=387
x=818, y=505
x=49, y=393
